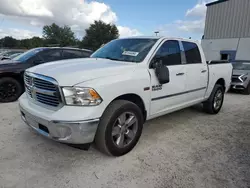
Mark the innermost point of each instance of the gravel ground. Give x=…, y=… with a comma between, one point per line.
x=187, y=148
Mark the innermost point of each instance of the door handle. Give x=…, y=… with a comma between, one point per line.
x=180, y=74
x=203, y=71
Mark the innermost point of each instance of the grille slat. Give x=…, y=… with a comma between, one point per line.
x=44, y=84
x=35, y=83
x=43, y=81
x=46, y=88
x=47, y=96
x=27, y=79
x=47, y=100
x=29, y=92
x=47, y=103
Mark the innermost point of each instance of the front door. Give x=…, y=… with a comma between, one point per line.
x=168, y=96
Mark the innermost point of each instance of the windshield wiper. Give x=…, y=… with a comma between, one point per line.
x=111, y=58
x=115, y=59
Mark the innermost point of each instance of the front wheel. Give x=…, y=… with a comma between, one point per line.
x=120, y=128
x=10, y=89
x=215, y=101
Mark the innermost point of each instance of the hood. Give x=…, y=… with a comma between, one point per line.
x=240, y=72
x=8, y=62
x=75, y=71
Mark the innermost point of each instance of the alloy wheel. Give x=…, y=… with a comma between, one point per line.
x=218, y=98
x=124, y=129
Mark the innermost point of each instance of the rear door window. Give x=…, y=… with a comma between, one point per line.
x=192, y=52
x=70, y=54
x=51, y=55
x=86, y=54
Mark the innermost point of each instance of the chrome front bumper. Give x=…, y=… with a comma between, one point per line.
x=238, y=85
x=72, y=132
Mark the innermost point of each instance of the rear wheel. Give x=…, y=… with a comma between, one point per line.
x=215, y=101
x=10, y=89
x=120, y=128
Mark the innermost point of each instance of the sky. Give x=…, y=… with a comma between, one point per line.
x=174, y=18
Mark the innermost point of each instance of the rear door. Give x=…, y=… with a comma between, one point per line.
x=196, y=72
x=50, y=55
x=86, y=53
x=71, y=54
x=168, y=96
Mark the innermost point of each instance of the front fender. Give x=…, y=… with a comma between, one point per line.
x=111, y=87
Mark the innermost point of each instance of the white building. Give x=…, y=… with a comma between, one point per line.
x=227, y=30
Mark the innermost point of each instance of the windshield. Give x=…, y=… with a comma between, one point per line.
x=14, y=55
x=241, y=66
x=130, y=50
x=5, y=53
x=27, y=55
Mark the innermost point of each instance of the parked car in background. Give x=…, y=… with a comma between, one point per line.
x=241, y=76
x=12, y=56
x=107, y=98
x=7, y=54
x=11, y=71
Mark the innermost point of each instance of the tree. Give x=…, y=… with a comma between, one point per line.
x=36, y=42
x=24, y=43
x=9, y=42
x=56, y=35
x=99, y=33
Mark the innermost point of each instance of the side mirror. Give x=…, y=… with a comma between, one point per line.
x=161, y=71
x=38, y=61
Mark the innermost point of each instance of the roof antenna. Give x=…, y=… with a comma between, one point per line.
x=157, y=32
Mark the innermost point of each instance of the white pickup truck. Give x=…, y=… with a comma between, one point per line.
x=107, y=98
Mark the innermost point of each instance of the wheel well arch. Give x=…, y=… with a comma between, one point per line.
x=18, y=77
x=136, y=99
x=222, y=82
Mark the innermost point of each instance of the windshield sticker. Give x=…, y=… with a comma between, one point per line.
x=130, y=53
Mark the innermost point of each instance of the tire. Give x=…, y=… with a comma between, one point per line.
x=10, y=89
x=109, y=122
x=209, y=105
x=247, y=90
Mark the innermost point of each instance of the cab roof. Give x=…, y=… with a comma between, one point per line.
x=67, y=48
x=159, y=37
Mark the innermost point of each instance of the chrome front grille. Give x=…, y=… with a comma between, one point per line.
x=42, y=89
x=235, y=78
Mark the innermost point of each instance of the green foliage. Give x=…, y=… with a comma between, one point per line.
x=56, y=35
x=24, y=43
x=53, y=35
x=9, y=42
x=99, y=33
x=36, y=42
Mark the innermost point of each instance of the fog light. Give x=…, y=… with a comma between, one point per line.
x=63, y=132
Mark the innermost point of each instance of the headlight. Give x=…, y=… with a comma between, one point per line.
x=80, y=96
x=243, y=77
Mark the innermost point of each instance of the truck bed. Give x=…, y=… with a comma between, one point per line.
x=218, y=70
